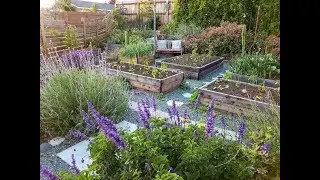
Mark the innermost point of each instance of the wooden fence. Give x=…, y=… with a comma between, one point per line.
x=132, y=11
x=87, y=25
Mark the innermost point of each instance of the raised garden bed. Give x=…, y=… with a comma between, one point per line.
x=244, y=78
x=193, y=67
x=144, y=77
x=239, y=97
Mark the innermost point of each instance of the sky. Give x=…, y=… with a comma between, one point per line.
x=49, y=3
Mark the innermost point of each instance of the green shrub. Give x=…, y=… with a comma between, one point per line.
x=219, y=40
x=264, y=126
x=163, y=150
x=67, y=93
x=144, y=33
x=134, y=35
x=71, y=37
x=164, y=147
x=117, y=36
x=138, y=49
x=95, y=42
x=149, y=23
x=260, y=65
x=119, y=19
x=207, y=13
x=184, y=30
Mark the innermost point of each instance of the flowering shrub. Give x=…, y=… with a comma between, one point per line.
x=273, y=45
x=220, y=40
x=67, y=93
x=170, y=149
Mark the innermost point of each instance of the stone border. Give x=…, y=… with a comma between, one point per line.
x=194, y=72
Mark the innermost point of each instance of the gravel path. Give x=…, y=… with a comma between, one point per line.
x=50, y=158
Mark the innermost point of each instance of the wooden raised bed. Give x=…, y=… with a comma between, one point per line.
x=194, y=72
x=144, y=82
x=244, y=78
x=231, y=103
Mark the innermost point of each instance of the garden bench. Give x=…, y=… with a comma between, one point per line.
x=169, y=47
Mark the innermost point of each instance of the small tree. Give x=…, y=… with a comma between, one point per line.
x=70, y=36
x=94, y=7
x=65, y=5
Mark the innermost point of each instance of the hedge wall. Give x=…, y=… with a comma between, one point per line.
x=206, y=13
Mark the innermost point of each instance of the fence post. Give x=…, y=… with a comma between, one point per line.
x=139, y=20
x=43, y=36
x=96, y=28
x=84, y=30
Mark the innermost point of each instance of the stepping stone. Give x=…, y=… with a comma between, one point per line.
x=56, y=141
x=127, y=126
x=160, y=114
x=230, y=135
x=133, y=105
x=81, y=154
x=186, y=95
x=44, y=147
x=178, y=103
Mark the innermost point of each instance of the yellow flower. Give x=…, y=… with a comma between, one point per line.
x=185, y=120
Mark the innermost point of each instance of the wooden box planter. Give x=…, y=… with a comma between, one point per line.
x=194, y=72
x=145, y=82
x=244, y=78
x=234, y=104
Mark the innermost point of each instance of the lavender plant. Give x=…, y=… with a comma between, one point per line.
x=66, y=94
x=47, y=173
x=107, y=127
x=74, y=168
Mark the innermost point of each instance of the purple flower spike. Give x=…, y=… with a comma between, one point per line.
x=74, y=168
x=223, y=122
x=210, y=126
x=211, y=118
x=107, y=127
x=178, y=119
x=171, y=169
x=197, y=102
x=95, y=114
x=79, y=135
x=154, y=103
x=47, y=173
x=146, y=110
x=210, y=108
x=174, y=108
x=242, y=130
x=143, y=115
x=186, y=116
x=265, y=147
x=147, y=103
x=170, y=114
x=89, y=123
